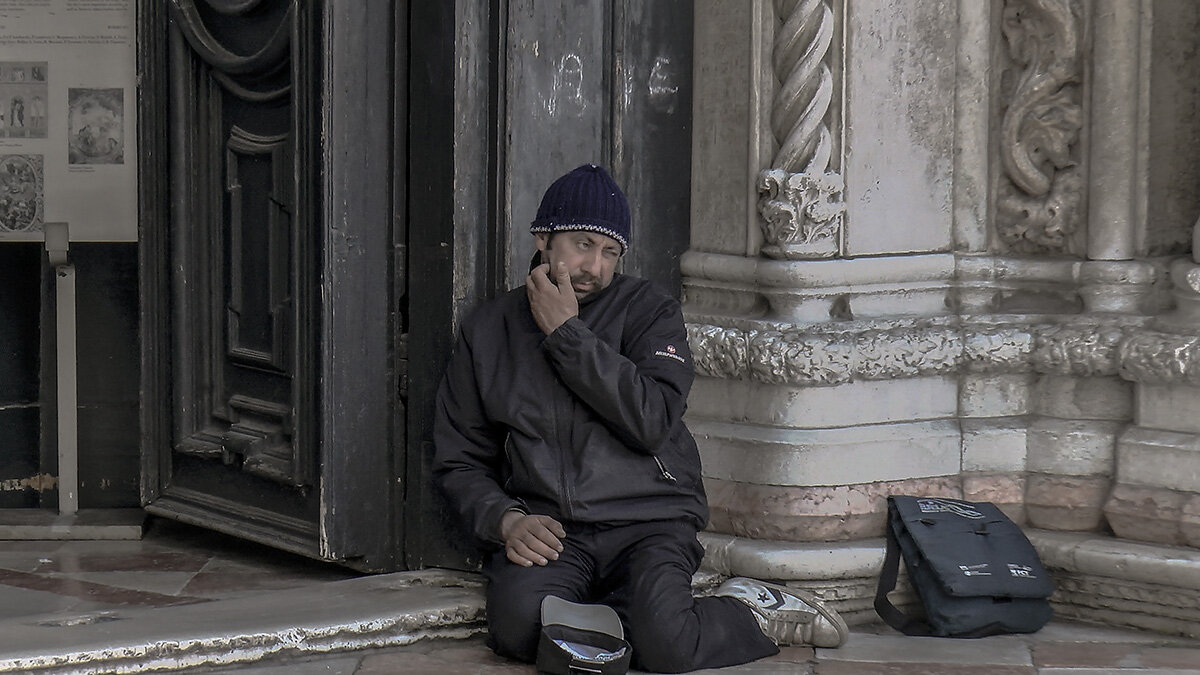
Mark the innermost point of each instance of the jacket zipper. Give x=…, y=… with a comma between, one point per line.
x=663, y=469
x=567, y=510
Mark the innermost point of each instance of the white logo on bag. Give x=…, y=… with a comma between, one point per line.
x=949, y=506
x=975, y=570
x=1021, y=571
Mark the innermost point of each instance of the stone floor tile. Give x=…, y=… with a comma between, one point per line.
x=122, y=547
x=856, y=668
x=904, y=649
x=20, y=602
x=86, y=590
x=1169, y=657
x=792, y=655
x=762, y=667
x=21, y=561
x=33, y=545
x=1081, y=654
x=224, y=584
x=126, y=561
x=1074, y=631
x=332, y=665
x=1067, y=655
x=435, y=663
x=1110, y=670
x=164, y=583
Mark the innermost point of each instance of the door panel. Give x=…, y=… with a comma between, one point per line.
x=268, y=385
x=242, y=453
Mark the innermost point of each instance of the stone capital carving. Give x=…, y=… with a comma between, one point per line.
x=802, y=214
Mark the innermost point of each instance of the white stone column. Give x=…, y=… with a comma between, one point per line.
x=1111, y=281
x=1156, y=493
x=1156, y=496
x=972, y=135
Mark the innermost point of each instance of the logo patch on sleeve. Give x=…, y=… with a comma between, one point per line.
x=669, y=352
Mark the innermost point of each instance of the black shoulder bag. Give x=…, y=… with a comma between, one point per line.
x=972, y=568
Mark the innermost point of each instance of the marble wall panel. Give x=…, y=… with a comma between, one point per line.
x=900, y=125
x=1066, y=503
x=994, y=394
x=823, y=407
x=803, y=457
x=1151, y=514
x=994, y=445
x=1156, y=458
x=791, y=513
x=1173, y=407
x=1072, y=447
x=1083, y=398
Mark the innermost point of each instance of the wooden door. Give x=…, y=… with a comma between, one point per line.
x=269, y=372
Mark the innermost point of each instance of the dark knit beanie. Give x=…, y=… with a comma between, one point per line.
x=586, y=199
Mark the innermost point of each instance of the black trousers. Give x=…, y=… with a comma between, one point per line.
x=643, y=571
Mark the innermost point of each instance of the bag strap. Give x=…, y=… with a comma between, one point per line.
x=890, y=614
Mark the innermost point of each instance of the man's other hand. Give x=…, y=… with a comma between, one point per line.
x=551, y=304
x=531, y=540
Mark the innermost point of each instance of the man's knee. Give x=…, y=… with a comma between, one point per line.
x=514, y=622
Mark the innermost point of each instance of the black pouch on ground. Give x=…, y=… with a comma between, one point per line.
x=581, y=639
x=973, y=570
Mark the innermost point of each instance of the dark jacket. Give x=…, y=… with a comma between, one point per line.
x=583, y=425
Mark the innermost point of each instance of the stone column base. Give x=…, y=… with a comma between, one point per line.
x=1098, y=578
x=1123, y=583
x=843, y=574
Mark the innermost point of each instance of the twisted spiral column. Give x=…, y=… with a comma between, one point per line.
x=799, y=196
x=805, y=86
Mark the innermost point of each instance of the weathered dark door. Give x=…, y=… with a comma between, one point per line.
x=269, y=372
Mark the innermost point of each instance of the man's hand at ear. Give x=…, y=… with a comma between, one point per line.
x=551, y=304
x=531, y=540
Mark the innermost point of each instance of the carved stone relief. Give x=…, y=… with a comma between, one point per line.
x=718, y=351
x=800, y=194
x=1040, y=194
x=1086, y=347
x=1161, y=358
x=1080, y=349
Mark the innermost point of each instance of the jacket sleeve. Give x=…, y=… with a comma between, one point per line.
x=469, y=450
x=639, y=392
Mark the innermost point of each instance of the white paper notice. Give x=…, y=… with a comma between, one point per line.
x=68, y=119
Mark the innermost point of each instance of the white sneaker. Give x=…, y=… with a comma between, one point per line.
x=789, y=616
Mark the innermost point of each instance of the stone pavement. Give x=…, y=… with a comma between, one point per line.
x=1059, y=649
x=184, y=599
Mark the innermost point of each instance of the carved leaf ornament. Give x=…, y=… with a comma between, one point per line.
x=1040, y=194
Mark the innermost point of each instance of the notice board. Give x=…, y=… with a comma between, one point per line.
x=68, y=119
